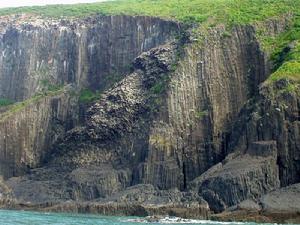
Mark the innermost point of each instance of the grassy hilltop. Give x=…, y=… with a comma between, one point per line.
x=225, y=11
x=209, y=12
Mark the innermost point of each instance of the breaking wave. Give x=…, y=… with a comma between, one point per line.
x=178, y=220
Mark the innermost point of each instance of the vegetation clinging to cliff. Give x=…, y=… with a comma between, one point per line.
x=286, y=55
x=289, y=68
x=18, y=106
x=88, y=96
x=5, y=102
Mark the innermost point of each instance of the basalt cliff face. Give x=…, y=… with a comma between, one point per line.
x=191, y=127
x=38, y=55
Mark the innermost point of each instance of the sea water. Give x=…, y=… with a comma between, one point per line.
x=8, y=217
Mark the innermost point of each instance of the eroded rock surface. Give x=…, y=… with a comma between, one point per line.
x=208, y=89
x=28, y=131
x=284, y=200
x=106, y=136
x=281, y=205
x=240, y=177
x=88, y=52
x=273, y=115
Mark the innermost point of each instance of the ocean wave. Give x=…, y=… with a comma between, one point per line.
x=177, y=220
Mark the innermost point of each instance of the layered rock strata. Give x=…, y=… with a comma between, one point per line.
x=281, y=205
x=273, y=115
x=240, y=177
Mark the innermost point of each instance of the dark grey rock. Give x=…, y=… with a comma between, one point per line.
x=167, y=121
x=249, y=205
x=91, y=53
x=272, y=116
x=284, y=200
x=239, y=178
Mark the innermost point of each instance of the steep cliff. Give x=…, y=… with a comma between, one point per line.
x=89, y=53
x=39, y=56
x=188, y=120
x=274, y=115
x=95, y=162
x=98, y=159
x=240, y=176
x=29, y=128
x=211, y=84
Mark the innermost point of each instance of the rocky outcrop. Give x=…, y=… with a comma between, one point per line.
x=140, y=200
x=97, y=160
x=273, y=115
x=219, y=72
x=54, y=185
x=109, y=138
x=281, y=206
x=284, y=200
x=240, y=177
x=215, y=77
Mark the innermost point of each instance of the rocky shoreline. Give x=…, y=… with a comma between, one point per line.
x=159, y=211
x=279, y=206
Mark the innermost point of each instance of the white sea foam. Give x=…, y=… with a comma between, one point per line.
x=177, y=220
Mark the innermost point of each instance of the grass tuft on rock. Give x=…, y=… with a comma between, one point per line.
x=18, y=106
x=88, y=96
x=5, y=102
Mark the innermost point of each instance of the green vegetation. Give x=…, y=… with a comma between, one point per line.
x=48, y=86
x=289, y=68
x=88, y=96
x=158, y=88
x=201, y=114
x=285, y=51
x=224, y=11
x=5, y=102
x=226, y=34
x=17, y=107
x=207, y=12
